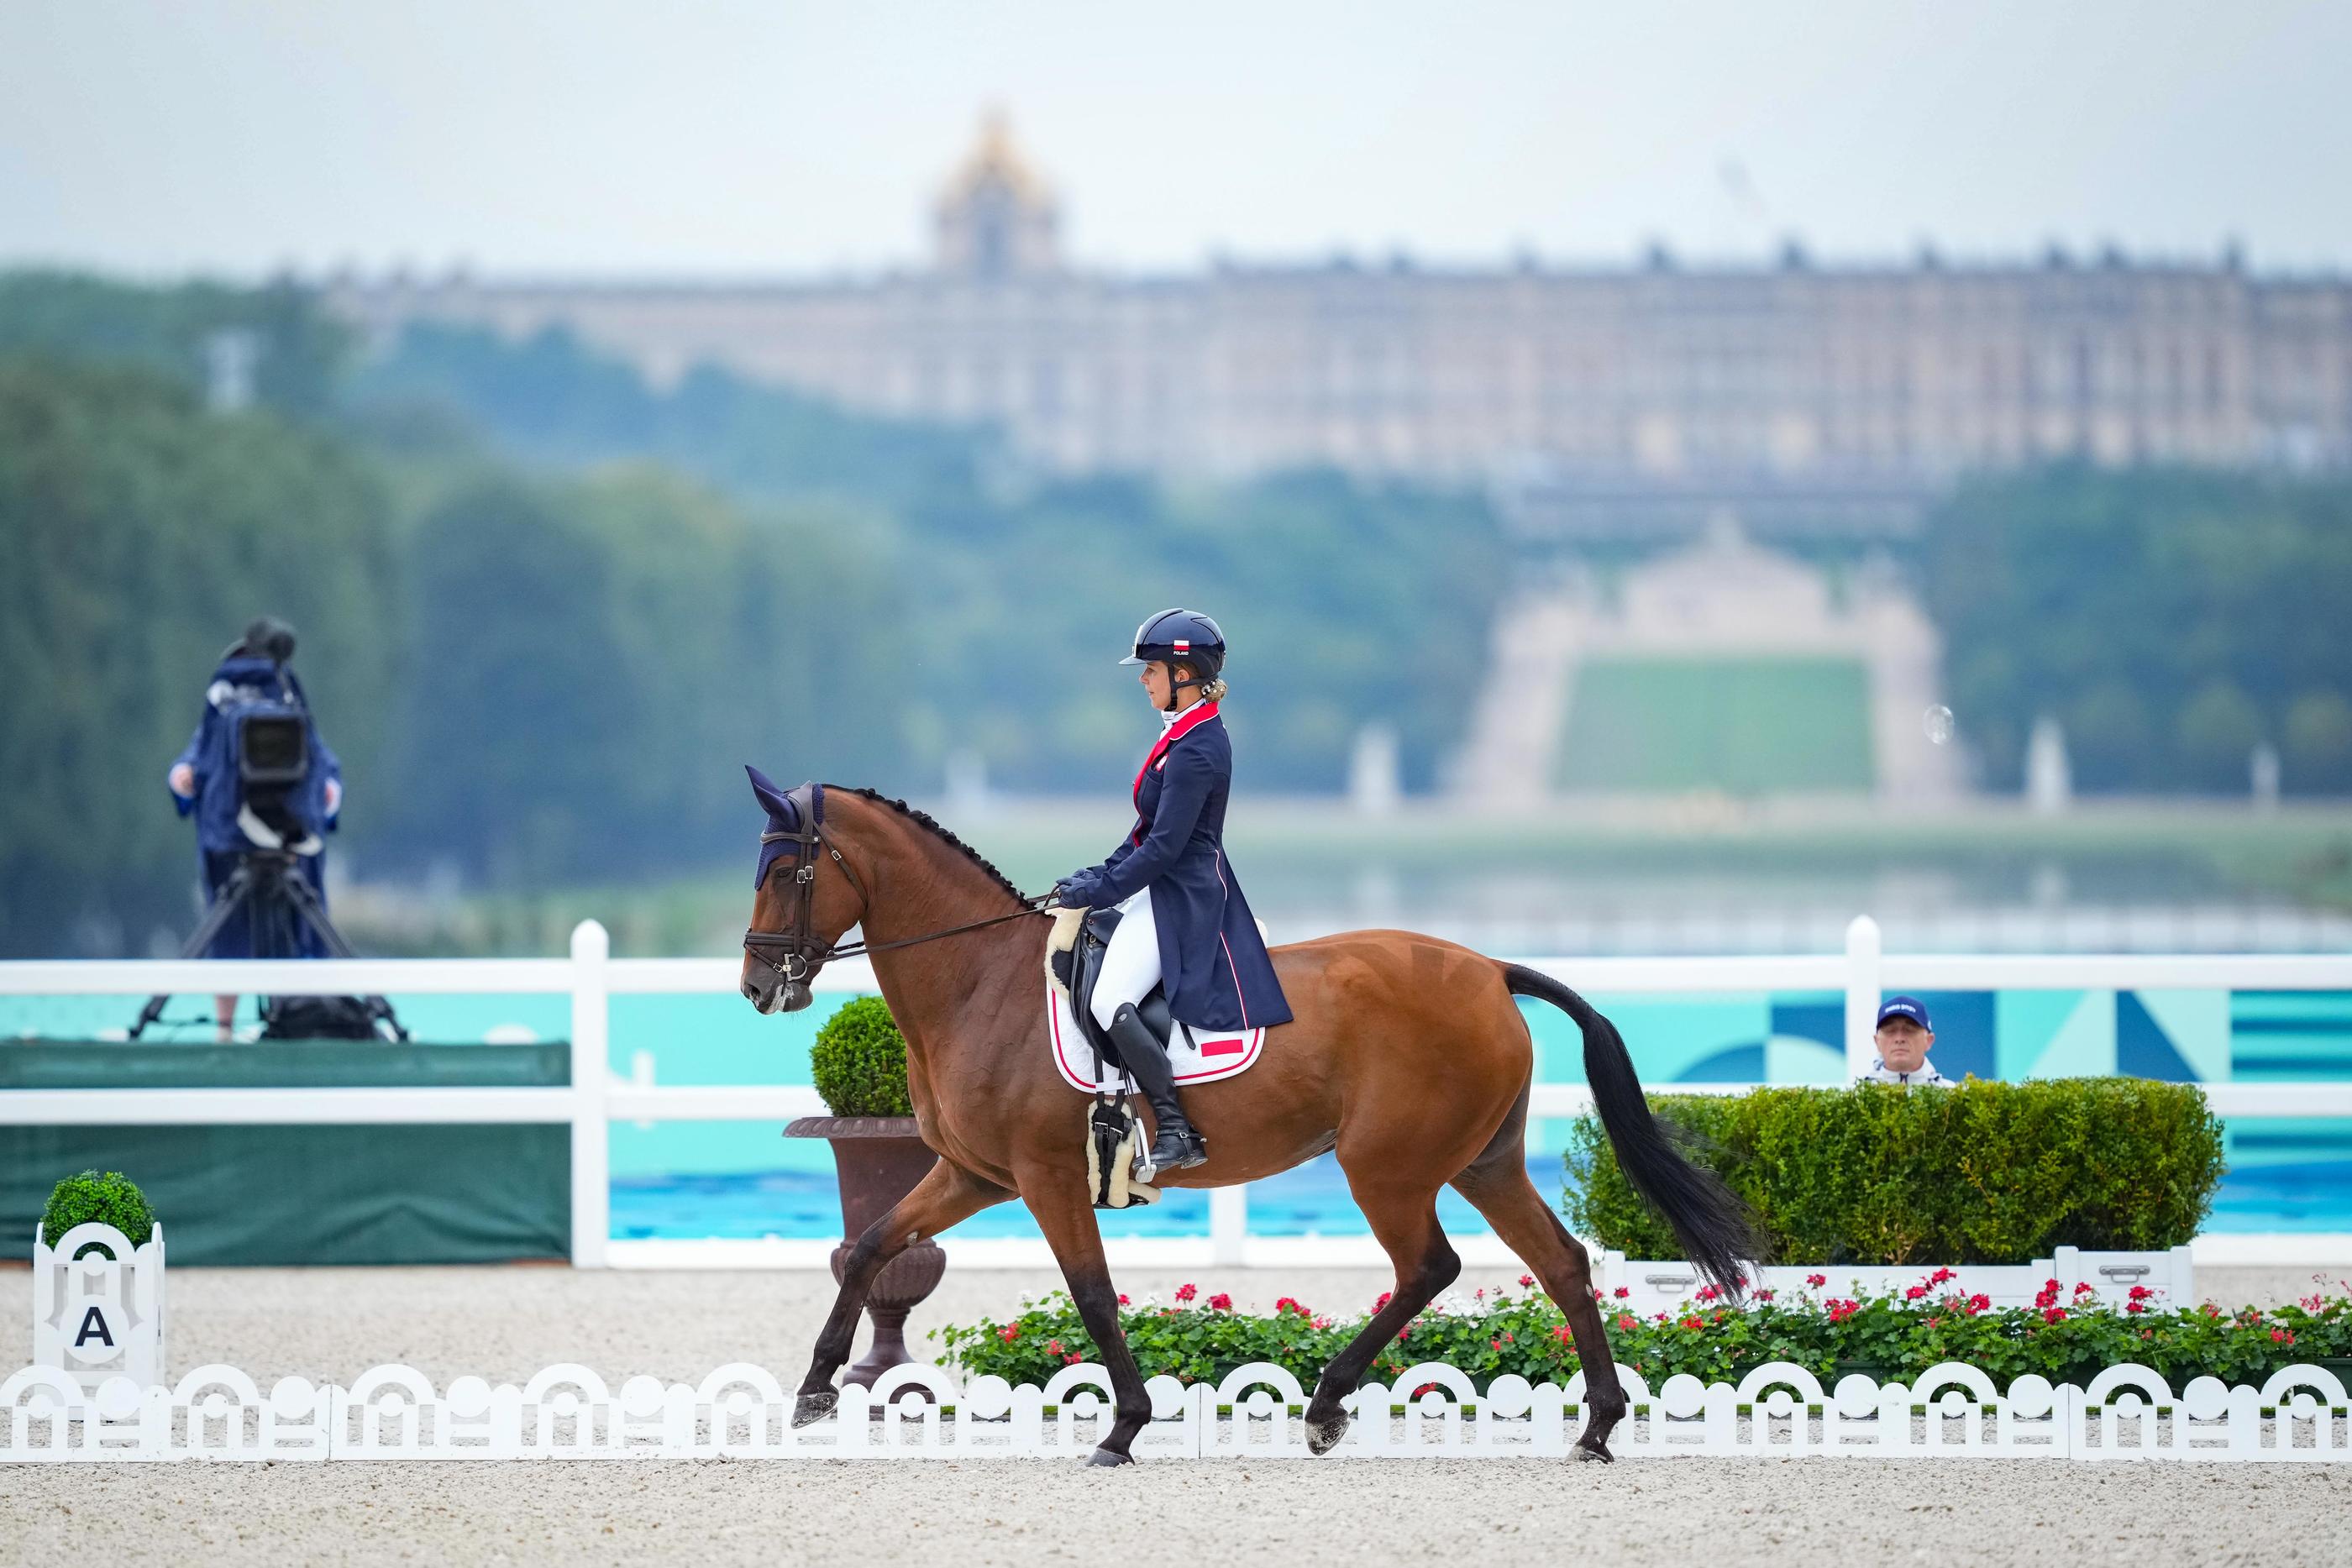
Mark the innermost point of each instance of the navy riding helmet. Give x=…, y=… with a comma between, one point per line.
x=1181, y=636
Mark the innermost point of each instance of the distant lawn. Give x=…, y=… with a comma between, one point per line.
x=1747, y=727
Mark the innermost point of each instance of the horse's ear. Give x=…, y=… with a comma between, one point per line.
x=771, y=797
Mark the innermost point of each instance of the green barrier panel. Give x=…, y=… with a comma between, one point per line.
x=404, y=1193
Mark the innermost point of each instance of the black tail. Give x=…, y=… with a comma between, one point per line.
x=1716, y=1228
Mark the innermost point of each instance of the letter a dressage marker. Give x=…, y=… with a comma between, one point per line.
x=93, y=1326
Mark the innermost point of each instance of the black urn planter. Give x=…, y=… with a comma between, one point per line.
x=879, y=1160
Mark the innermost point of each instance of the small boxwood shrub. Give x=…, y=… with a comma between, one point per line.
x=1979, y=1173
x=113, y=1199
x=859, y=1061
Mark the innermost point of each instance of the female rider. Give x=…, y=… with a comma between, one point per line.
x=1184, y=923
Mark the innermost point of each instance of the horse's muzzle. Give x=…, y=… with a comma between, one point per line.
x=775, y=994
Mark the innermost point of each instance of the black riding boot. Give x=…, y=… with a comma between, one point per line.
x=1174, y=1145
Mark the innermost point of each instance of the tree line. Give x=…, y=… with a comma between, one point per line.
x=543, y=653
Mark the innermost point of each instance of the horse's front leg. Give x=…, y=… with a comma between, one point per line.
x=947, y=1194
x=1053, y=1197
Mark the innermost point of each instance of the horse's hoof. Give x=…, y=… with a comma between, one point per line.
x=1104, y=1459
x=1588, y=1449
x=1322, y=1437
x=811, y=1408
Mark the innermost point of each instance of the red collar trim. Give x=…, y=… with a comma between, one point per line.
x=1167, y=738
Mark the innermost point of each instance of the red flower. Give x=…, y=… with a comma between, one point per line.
x=1052, y=1347
x=2134, y=1306
x=1495, y=1344
x=1979, y=1303
x=2282, y=1336
x=1562, y=1334
x=1621, y=1292
x=1707, y=1292
x=1763, y=1295
x=1626, y=1321
x=1221, y=1303
x=1915, y=1292
x=1693, y=1323
x=1817, y=1281
x=1322, y=1323
x=1940, y=1276
x=1185, y=1291
x=1123, y=1300
x=2085, y=1288
x=1526, y=1279
x=2054, y=1315
x=1507, y=1339
x=2141, y=1292
x=1479, y=1294
x=1935, y=1322
x=1009, y=1333
x=1383, y=1302
x=1071, y=1360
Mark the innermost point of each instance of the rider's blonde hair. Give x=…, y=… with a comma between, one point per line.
x=1213, y=690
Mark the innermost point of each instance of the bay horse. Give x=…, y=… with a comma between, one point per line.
x=1408, y=1056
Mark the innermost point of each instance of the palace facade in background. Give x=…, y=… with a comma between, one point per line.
x=1795, y=398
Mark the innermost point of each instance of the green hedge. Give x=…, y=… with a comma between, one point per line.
x=859, y=1061
x=113, y=1199
x=1979, y=1173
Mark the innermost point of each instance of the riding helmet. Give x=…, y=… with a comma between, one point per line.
x=1185, y=636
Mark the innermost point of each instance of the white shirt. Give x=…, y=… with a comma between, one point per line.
x=1881, y=1074
x=1167, y=720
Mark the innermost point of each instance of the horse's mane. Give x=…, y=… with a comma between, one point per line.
x=924, y=819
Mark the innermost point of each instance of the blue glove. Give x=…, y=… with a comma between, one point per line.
x=1075, y=891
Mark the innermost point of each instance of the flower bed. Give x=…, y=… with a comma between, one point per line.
x=2065, y=1337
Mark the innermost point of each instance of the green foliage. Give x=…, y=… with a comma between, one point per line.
x=2170, y=619
x=1979, y=1173
x=1310, y=574
x=859, y=1061
x=113, y=1199
x=1522, y=1332
x=298, y=350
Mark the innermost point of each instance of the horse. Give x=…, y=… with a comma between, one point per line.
x=1407, y=1055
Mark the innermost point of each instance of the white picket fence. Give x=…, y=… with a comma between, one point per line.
x=1433, y=1411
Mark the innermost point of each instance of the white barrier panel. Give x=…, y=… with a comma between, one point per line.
x=590, y=978
x=1431, y=1411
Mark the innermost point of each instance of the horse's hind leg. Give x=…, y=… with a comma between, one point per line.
x=1497, y=1185
x=1403, y=1215
x=946, y=1195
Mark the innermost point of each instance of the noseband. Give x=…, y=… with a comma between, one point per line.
x=795, y=953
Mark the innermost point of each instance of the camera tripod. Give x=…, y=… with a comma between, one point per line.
x=281, y=907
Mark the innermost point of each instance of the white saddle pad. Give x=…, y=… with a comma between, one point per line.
x=1206, y=1058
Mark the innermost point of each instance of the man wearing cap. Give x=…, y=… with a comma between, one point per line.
x=1904, y=1038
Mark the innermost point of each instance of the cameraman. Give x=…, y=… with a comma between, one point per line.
x=231, y=825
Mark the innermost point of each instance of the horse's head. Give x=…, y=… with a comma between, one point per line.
x=797, y=914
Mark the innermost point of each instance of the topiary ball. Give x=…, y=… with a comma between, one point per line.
x=113, y=1199
x=859, y=1061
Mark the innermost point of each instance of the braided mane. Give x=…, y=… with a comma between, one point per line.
x=924, y=819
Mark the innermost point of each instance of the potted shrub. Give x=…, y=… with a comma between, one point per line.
x=97, y=1281
x=859, y=1063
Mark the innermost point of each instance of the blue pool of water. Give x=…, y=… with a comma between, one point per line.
x=1312, y=1200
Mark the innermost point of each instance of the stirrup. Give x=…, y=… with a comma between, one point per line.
x=1195, y=1153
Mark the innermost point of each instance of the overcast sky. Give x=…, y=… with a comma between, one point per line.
x=603, y=136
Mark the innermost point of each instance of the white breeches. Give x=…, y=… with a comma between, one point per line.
x=1130, y=967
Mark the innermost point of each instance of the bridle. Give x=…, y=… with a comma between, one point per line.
x=795, y=953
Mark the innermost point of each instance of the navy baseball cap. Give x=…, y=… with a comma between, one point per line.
x=1910, y=1008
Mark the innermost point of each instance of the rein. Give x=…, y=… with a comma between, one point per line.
x=801, y=952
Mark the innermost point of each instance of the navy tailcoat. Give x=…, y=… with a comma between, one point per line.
x=1212, y=961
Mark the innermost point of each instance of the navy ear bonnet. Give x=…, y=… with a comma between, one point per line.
x=783, y=817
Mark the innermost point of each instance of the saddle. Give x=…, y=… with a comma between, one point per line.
x=1081, y=966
